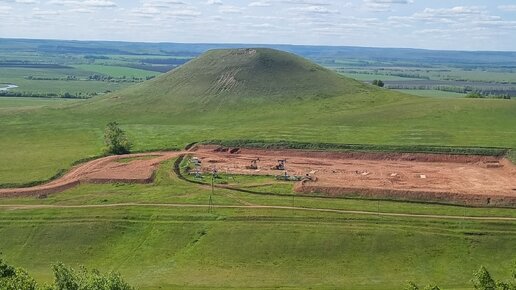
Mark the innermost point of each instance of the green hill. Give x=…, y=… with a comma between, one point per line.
x=235, y=78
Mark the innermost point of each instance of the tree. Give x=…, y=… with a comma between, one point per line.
x=482, y=280
x=116, y=140
x=67, y=278
x=378, y=83
x=411, y=286
x=15, y=278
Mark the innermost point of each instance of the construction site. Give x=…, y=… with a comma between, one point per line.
x=442, y=178
x=463, y=179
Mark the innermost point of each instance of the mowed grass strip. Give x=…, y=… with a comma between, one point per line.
x=192, y=248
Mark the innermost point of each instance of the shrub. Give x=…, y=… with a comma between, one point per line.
x=115, y=139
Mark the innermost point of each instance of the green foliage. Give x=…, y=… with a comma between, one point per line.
x=475, y=95
x=411, y=286
x=6, y=270
x=115, y=139
x=67, y=278
x=359, y=147
x=483, y=281
x=15, y=278
x=378, y=83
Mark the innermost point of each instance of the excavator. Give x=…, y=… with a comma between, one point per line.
x=281, y=164
x=254, y=164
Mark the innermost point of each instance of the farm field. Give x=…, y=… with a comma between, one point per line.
x=130, y=63
x=433, y=93
x=117, y=71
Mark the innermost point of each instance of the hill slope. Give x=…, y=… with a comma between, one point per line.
x=235, y=77
x=257, y=94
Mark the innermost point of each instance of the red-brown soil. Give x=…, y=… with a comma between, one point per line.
x=103, y=170
x=471, y=180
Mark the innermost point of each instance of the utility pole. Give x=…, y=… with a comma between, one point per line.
x=210, y=203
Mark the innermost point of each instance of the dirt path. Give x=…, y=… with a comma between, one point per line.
x=170, y=205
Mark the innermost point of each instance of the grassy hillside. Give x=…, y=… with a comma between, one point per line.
x=257, y=94
x=234, y=78
x=157, y=245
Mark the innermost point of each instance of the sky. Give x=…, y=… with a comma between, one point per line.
x=430, y=24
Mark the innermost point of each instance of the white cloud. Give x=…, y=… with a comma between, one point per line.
x=383, y=5
x=263, y=3
x=315, y=9
x=230, y=9
x=184, y=13
x=508, y=8
x=30, y=2
x=5, y=9
x=342, y=22
x=214, y=2
x=86, y=3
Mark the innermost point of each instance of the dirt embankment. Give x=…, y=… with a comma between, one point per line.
x=132, y=168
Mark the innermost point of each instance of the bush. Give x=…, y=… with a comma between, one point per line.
x=116, y=140
x=65, y=278
x=378, y=83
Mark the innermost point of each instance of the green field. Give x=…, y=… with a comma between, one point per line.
x=117, y=71
x=156, y=243
x=433, y=93
x=369, y=77
x=53, y=80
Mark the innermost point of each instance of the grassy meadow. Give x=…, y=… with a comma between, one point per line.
x=155, y=244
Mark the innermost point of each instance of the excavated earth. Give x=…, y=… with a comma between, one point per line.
x=461, y=179
x=138, y=168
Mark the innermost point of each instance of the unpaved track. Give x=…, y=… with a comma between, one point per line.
x=175, y=205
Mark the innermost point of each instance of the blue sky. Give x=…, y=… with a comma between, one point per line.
x=438, y=24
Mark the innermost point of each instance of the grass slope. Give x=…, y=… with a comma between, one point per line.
x=236, y=79
x=257, y=94
x=191, y=248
